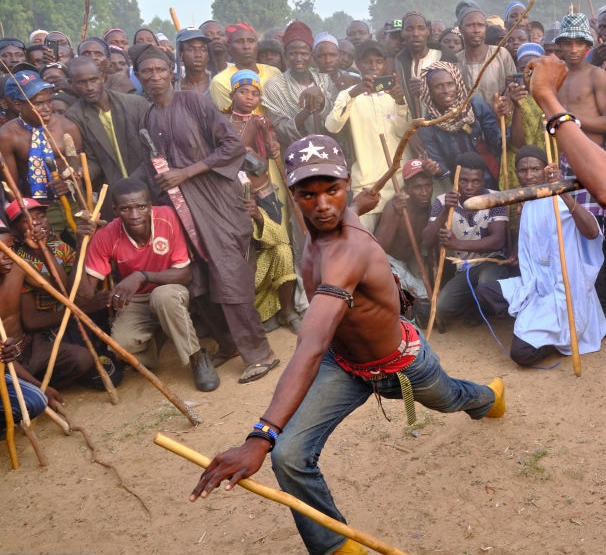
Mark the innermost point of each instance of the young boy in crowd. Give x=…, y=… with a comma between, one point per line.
x=275, y=277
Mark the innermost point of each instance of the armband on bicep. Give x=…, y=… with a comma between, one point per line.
x=334, y=291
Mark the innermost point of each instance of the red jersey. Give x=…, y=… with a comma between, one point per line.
x=165, y=249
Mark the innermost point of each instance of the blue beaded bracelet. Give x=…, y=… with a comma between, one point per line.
x=266, y=430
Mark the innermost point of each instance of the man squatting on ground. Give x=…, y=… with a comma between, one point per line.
x=353, y=342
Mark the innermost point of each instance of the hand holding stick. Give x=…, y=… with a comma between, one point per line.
x=283, y=498
x=436, y=289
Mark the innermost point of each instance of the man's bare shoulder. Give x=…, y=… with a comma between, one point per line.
x=598, y=75
x=10, y=128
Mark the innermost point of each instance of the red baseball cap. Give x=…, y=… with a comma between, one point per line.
x=13, y=210
x=412, y=167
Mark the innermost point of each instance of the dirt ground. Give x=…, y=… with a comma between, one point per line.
x=532, y=482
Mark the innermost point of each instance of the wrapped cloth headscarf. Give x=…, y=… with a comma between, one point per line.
x=231, y=30
x=465, y=118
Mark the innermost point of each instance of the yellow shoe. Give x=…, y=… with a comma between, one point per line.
x=498, y=409
x=350, y=547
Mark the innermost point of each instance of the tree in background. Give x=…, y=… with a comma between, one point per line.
x=337, y=23
x=305, y=11
x=165, y=26
x=545, y=11
x=261, y=15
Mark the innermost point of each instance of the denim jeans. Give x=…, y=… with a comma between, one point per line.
x=334, y=395
x=456, y=301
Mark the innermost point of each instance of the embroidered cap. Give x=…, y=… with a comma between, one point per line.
x=412, y=168
x=29, y=81
x=314, y=155
x=575, y=26
x=13, y=211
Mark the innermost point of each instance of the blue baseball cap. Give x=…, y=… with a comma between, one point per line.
x=25, y=82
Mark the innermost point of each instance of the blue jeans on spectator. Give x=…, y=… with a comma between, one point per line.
x=35, y=401
x=456, y=301
x=334, y=395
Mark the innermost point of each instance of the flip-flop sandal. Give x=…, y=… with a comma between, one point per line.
x=249, y=374
x=219, y=359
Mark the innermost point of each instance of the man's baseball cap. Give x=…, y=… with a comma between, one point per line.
x=29, y=82
x=13, y=211
x=393, y=26
x=412, y=168
x=314, y=155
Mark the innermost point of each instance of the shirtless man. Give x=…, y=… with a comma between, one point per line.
x=11, y=283
x=584, y=89
x=587, y=159
x=352, y=322
x=584, y=94
x=25, y=156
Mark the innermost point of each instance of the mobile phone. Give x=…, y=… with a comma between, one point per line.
x=518, y=78
x=53, y=44
x=384, y=83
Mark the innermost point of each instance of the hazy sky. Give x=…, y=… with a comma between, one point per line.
x=193, y=13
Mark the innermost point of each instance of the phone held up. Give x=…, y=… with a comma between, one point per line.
x=53, y=45
x=384, y=83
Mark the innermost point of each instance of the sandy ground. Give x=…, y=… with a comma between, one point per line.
x=532, y=482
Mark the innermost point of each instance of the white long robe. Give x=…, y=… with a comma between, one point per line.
x=537, y=299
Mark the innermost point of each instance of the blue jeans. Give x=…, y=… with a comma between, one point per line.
x=35, y=401
x=334, y=395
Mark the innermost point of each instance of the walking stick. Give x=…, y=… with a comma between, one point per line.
x=283, y=498
x=25, y=419
x=407, y=224
x=87, y=182
x=296, y=208
x=189, y=413
x=69, y=217
x=109, y=386
x=574, y=340
x=8, y=417
x=50, y=264
x=436, y=290
x=173, y=15
x=72, y=158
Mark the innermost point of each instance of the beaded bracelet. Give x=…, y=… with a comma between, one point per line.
x=263, y=419
x=266, y=430
x=265, y=436
x=555, y=121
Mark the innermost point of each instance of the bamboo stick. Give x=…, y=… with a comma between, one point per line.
x=87, y=182
x=436, y=289
x=284, y=499
x=407, y=224
x=10, y=421
x=109, y=386
x=574, y=340
x=173, y=15
x=191, y=415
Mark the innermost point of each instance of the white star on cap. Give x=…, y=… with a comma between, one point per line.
x=292, y=155
x=314, y=170
x=324, y=155
x=335, y=150
x=310, y=151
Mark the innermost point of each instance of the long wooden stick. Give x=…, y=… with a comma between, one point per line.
x=295, y=206
x=191, y=415
x=109, y=386
x=574, y=340
x=283, y=498
x=173, y=15
x=8, y=417
x=67, y=430
x=419, y=122
x=436, y=289
x=514, y=196
x=87, y=182
x=50, y=264
x=407, y=224
x=26, y=422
